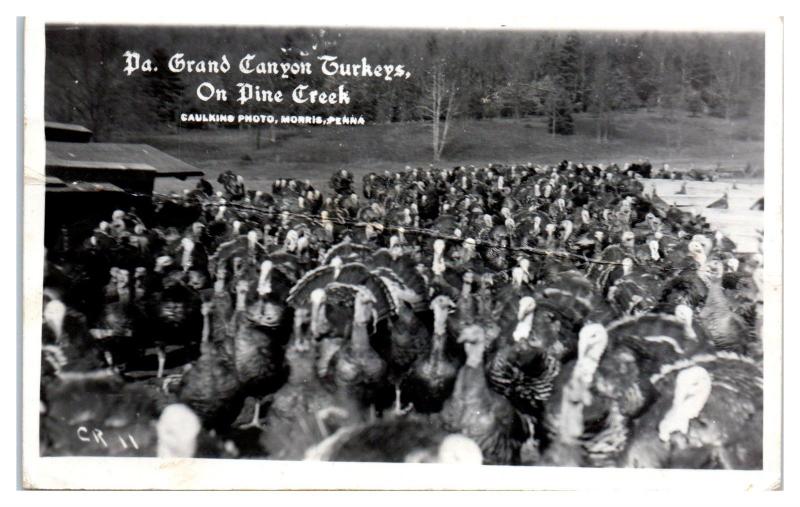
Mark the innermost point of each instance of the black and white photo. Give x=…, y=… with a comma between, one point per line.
x=534, y=250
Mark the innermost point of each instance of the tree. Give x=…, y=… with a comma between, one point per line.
x=551, y=100
x=518, y=97
x=694, y=103
x=486, y=73
x=727, y=82
x=610, y=90
x=83, y=84
x=439, y=93
x=165, y=88
x=601, y=91
x=296, y=46
x=642, y=66
x=564, y=88
x=569, y=75
x=440, y=96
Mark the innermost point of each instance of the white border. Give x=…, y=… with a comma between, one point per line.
x=120, y=473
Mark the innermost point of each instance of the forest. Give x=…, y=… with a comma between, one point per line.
x=451, y=74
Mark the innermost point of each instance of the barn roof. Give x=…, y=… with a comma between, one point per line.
x=120, y=156
x=66, y=126
x=54, y=184
x=55, y=131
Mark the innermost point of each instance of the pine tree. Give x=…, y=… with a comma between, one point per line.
x=568, y=86
x=165, y=88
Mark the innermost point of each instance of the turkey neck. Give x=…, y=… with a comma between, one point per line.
x=206, y=327
x=318, y=318
x=550, y=239
x=523, y=328
x=465, y=300
x=469, y=254
x=301, y=365
x=405, y=314
x=139, y=291
x=359, y=337
x=438, y=266
x=598, y=249
x=239, y=317
x=699, y=257
x=439, y=334
x=485, y=302
x=716, y=298
x=251, y=250
x=567, y=235
x=124, y=294
x=471, y=381
x=241, y=301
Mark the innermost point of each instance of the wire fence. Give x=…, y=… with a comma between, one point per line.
x=431, y=233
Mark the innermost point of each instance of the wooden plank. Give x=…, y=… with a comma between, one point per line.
x=738, y=222
x=741, y=226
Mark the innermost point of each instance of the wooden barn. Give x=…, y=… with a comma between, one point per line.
x=87, y=181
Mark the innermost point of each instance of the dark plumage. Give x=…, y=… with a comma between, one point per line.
x=212, y=388
x=504, y=314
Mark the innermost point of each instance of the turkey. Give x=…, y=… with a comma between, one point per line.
x=354, y=273
x=64, y=330
x=520, y=371
x=211, y=386
x=342, y=182
x=174, y=321
x=121, y=324
x=258, y=343
x=536, y=314
x=234, y=186
x=357, y=370
x=727, y=329
x=431, y=377
x=478, y=412
x=709, y=409
x=303, y=411
x=609, y=385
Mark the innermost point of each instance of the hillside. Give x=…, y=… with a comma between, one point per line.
x=314, y=152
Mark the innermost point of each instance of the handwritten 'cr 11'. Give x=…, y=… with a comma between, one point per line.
x=126, y=441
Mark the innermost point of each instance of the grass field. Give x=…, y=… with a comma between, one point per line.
x=314, y=152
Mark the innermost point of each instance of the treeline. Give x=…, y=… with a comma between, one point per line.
x=454, y=74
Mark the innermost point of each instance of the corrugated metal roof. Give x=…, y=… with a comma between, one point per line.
x=113, y=156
